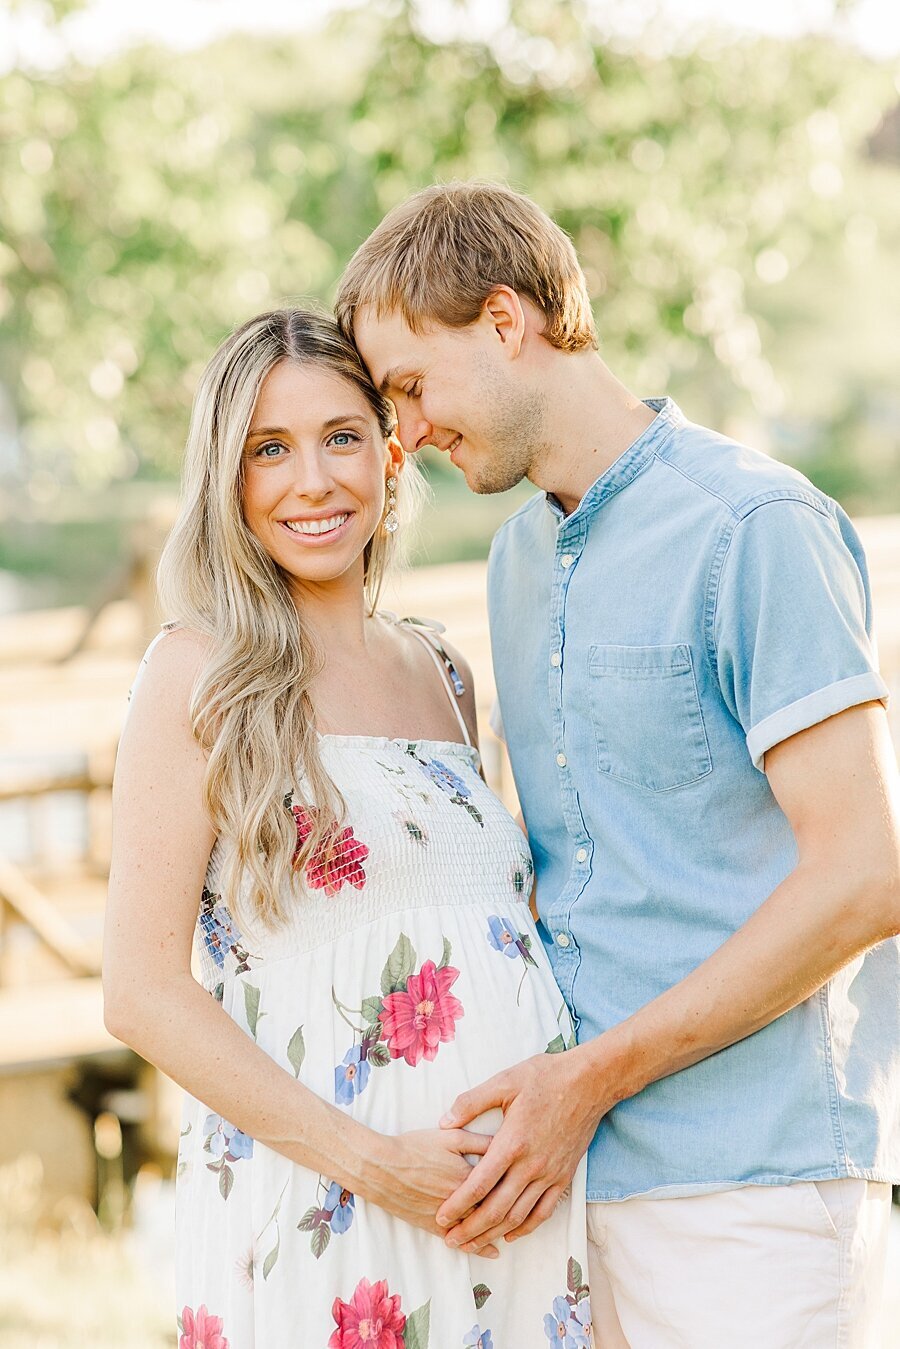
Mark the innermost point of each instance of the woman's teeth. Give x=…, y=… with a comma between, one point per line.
x=315, y=526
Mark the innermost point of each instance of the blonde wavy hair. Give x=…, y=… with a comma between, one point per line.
x=250, y=708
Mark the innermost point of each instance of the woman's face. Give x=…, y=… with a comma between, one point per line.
x=315, y=465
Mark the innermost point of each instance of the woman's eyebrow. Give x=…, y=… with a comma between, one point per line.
x=256, y=431
x=343, y=419
x=267, y=431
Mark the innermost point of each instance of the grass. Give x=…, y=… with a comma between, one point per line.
x=69, y=1284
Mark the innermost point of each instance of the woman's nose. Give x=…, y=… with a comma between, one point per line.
x=311, y=477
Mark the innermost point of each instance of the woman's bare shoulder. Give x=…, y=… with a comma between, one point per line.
x=177, y=651
x=162, y=687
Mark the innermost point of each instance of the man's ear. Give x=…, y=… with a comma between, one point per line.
x=504, y=313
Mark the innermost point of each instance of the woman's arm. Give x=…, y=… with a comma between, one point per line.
x=162, y=839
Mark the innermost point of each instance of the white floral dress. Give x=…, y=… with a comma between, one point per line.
x=409, y=971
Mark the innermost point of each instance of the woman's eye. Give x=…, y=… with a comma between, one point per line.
x=271, y=450
x=414, y=390
x=342, y=440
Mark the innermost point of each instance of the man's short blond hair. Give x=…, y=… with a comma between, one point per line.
x=437, y=256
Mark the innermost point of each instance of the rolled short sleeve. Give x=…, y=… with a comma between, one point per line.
x=792, y=632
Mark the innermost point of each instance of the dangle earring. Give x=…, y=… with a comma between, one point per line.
x=391, y=519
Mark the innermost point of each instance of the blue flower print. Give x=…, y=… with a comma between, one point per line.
x=459, y=792
x=569, y=1327
x=334, y=1214
x=445, y=778
x=219, y=933
x=556, y=1326
x=502, y=936
x=339, y=1203
x=478, y=1339
x=225, y=1143
x=225, y=1140
x=579, y=1327
x=351, y=1076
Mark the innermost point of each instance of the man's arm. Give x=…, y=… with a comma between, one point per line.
x=837, y=785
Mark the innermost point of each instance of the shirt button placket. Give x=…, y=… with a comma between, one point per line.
x=563, y=940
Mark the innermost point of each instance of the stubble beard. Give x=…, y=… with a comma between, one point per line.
x=515, y=436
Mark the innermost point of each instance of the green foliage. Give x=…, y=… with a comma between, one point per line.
x=152, y=203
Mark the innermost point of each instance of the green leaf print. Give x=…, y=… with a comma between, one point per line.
x=379, y=1055
x=447, y=953
x=470, y=807
x=556, y=1046
x=418, y=1326
x=481, y=1293
x=296, y=1051
x=370, y=1010
x=251, y=1006
x=269, y=1262
x=320, y=1239
x=308, y=1221
x=226, y=1180
x=400, y=965
x=574, y=1276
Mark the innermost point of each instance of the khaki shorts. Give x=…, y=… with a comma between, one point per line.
x=796, y=1266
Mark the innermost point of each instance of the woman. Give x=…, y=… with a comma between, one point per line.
x=297, y=795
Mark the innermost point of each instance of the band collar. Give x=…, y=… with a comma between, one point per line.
x=629, y=463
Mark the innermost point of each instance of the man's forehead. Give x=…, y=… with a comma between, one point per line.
x=388, y=346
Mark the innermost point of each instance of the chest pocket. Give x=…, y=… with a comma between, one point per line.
x=646, y=714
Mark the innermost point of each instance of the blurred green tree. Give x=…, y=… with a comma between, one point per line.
x=154, y=201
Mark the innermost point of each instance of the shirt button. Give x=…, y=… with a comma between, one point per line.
x=561, y=760
x=566, y=560
x=581, y=855
x=562, y=940
x=556, y=659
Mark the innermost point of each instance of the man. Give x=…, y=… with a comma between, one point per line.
x=681, y=631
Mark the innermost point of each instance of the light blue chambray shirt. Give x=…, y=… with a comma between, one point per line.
x=701, y=604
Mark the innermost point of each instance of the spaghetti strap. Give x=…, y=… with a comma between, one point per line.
x=446, y=669
x=139, y=673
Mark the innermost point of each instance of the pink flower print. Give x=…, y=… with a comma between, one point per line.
x=338, y=860
x=199, y=1330
x=415, y=1022
x=372, y=1319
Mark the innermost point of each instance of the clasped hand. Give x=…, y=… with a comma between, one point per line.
x=411, y=1174
x=548, y=1122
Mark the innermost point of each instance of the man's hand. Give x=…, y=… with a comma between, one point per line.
x=549, y=1118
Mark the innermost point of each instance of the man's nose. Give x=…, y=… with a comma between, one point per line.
x=414, y=431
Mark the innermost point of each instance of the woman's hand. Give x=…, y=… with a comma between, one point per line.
x=411, y=1175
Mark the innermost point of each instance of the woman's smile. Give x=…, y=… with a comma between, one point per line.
x=316, y=531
